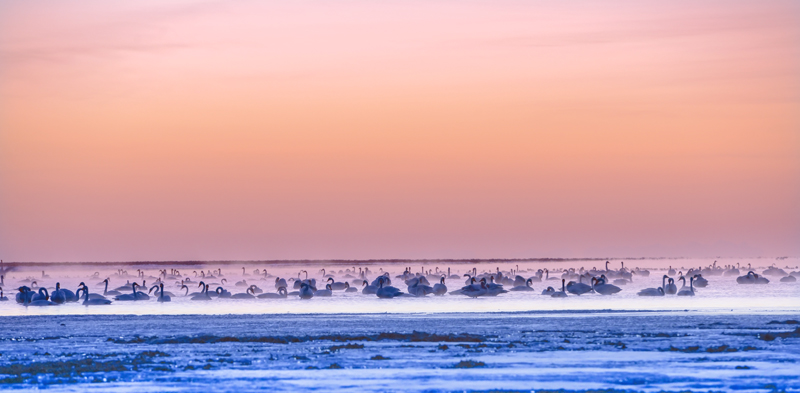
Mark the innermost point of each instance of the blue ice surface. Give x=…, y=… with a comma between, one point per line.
x=576, y=350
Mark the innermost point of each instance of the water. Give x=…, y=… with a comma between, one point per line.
x=715, y=340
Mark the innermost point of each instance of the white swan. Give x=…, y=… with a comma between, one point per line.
x=387, y=292
x=475, y=290
x=327, y=292
x=87, y=301
x=654, y=291
x=525, y=287
x=687, y=291
x=671, y=288
x=562, y=292
x=440, y=289
x=305, y=291
x=600, y=286
x=282, y=294
x=578, y=288
x=751, y=278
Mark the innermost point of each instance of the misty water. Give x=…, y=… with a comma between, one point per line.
x=728, y=336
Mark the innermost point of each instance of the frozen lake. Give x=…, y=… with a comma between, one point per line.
x=717, y=340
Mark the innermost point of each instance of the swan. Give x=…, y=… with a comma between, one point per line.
x=548, y=291
x=751, y=278
x=24, y=295
x=135, y=296
x=671, y=289
x=203, y=295
x=249, y=294
x=417, y=288
x=29, y=301
x=699, y=281
x=88, y=301
x=68, y=295
x=58, y=296
x=41, y=295
x=384, y=277
x=687, y=291
x=600, y=286
x=327, y=292
x=162, y=297
x=348, y=288
x=387, y=292
x=452, y=276
x=562, y=292
x=655, y=291
x=525, y=287
x=671, y=271
x=440, y=288
x=282, y=294
x=472, y=285
x=336, y=286
x=788, y=279
x=221, y=293
x=368, y=289
x=124, y=287
x=771, y=271
x=2, y=298
x=280, y=282
x=202, y=286
x=91, y=295
x=475, y=290
x=623, y=281
x=305, y=291
x=493, y=289
x=579, y=288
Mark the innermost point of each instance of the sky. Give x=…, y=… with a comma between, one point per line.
x=261, y=130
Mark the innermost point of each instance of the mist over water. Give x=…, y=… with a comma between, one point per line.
x=722, y=295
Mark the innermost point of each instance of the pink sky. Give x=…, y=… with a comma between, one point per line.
x=156, y=130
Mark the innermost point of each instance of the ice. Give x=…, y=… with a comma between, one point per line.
x=643, y=351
